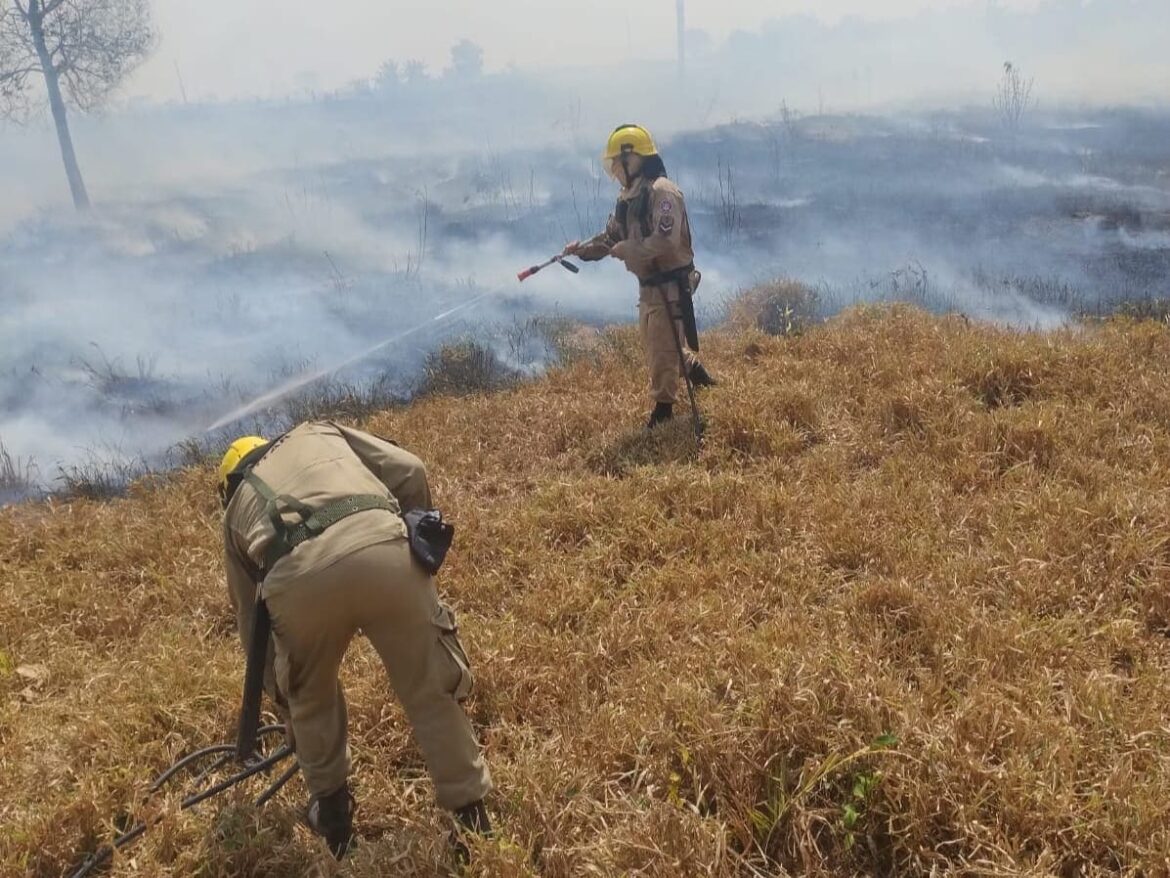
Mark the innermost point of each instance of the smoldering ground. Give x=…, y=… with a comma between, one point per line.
x=244, y=247
x=148, y=321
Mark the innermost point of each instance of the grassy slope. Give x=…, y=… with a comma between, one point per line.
x=899, y=524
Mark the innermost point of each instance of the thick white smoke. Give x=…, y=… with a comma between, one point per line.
x=241, y=248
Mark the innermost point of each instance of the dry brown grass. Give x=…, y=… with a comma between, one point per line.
x=463, y=368
x=906, y=613
x=779, y=307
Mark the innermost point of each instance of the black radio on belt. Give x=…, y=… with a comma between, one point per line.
x=430, y=537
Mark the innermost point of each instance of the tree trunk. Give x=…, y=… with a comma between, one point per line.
x=57, y=105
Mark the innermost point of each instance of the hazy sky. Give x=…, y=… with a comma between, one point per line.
x=230, y=48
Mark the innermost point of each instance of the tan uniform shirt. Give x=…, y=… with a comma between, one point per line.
x=659, y=240
x=356, y=574
x=318, y=463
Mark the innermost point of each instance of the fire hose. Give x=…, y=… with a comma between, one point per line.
x=246, y=751
x=221, y=755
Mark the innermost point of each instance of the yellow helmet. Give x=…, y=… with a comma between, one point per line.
x=236, y=452
x=630, y=138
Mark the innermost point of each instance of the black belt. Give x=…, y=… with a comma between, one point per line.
x=680, y=276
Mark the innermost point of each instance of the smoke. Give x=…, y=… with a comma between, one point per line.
x=300, y=382
x=243, y=252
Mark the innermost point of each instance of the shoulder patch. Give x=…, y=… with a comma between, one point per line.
x=665, y=205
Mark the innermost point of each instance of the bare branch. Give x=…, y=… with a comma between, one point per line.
x=10, y=75
x=91, y=45
x=1013, y=97
x=81, y=49
x=18, y=64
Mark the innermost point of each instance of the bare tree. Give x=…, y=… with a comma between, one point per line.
x=81, y=48
x=1014, y=96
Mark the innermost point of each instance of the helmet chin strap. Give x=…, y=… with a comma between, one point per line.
x=629, y=181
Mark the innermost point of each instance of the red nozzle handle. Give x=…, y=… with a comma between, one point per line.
x=528, y=272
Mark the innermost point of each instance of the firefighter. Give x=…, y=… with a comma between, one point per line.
x=650, y=233
x=314, y=527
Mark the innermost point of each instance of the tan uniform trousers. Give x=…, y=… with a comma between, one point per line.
x=659, y=330
x=381, y=591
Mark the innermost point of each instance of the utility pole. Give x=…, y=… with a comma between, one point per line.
x=681, y=6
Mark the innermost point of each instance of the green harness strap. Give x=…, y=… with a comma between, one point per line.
x=313, y=521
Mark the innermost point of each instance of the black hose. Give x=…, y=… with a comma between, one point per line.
x=187, y=760
x=194, y=799
x=105, y=853
x=276, y=787
x=247, y=727
x=229, y=749
x=213, y=768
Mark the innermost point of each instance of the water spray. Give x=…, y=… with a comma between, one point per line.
x=295, y=384
x=278, y=393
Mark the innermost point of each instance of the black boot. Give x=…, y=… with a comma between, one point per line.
x=700, y=377
x=662, y=413
x=332, y=817
x=472, y=818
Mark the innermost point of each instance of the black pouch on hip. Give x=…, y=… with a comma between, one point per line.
x=430, y=537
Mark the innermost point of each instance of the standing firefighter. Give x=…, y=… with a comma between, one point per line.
x=315, y=538
x=649, y=232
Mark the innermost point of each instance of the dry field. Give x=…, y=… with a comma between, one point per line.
x=907, y=613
